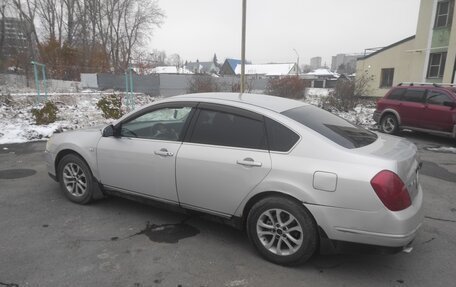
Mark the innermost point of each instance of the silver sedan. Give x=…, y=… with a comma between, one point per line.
x=290, y=174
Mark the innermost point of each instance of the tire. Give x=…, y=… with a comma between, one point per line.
x=389, y=124
x=271, y=236
x=76, y=180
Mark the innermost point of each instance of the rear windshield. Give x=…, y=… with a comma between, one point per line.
x=333, y=127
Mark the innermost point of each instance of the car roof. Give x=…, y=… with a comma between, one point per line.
x=427, y=86
x=276, y=104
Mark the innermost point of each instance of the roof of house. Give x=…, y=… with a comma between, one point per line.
x=170, y=70
x=388, y=47
x=266, y=69
x=233, y=63
x=322, y=72
x=202, y=67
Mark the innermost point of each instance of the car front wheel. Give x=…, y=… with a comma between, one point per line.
x=389, y=124
x=75, y=179
x=282, y=231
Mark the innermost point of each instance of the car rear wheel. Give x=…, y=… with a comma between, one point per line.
x=389, y=124
x=75, y=179
x=282, y=231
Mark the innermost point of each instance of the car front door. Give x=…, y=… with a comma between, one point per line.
x=141, y=158
x=411, y=107
x=438, y=115
x=225, y=157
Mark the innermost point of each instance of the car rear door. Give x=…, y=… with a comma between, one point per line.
x=225, y=157
x=412, y=106
x=437, y=115
x=141, y=159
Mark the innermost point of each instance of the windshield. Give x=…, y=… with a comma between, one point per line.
x=332, y=127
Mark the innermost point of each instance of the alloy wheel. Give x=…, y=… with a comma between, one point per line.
x=74, y=179
x=279, y=232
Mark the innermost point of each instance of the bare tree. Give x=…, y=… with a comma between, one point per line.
x=2, y=30
x=71, y=23
x=174, y=60
x=139, y=20
x=26, y=10
x=50, y=13
x=100, y=32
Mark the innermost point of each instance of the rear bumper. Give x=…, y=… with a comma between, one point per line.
x=380, y=228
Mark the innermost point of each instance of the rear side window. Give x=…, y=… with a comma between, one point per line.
x=396, y=94
x=280, y=138
x=414, y=95
x=227, y=129
x=332, y=127
x=437, y=98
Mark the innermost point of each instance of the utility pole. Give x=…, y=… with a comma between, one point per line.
x=244, y=8
x=297, y=61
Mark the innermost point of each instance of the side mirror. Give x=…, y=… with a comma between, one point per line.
x=108, y=131
x=450, y=104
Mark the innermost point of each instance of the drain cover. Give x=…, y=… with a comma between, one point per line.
x=16, y=173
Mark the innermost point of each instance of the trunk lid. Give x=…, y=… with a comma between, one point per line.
x=402, y=158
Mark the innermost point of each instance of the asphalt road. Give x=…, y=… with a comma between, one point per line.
x=45, y=240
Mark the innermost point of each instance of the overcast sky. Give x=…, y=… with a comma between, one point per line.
x=196, y=29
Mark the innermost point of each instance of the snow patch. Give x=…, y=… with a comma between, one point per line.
x=442, y=149
x=76, y=111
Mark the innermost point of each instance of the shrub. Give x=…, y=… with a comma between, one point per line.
x=288, y=87
x=46, y=115
x=202, y=84
x=347, y=93
x=343, y=97
x=236, y=87
x=111, y=106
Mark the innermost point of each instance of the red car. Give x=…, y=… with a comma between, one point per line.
x=418, y=106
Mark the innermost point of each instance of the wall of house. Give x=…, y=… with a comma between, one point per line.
x=398, y=57
x=422, y=40
x=450, y=67
x=430, y=40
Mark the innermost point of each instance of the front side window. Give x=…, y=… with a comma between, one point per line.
x=437, y=98
x=442, y=16
x=162, y=124
x=414, y=95
x=387, y=78
x=332, y=127
x=228, y=129
x=436, y=65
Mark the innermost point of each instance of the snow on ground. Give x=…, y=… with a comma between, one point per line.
x=79, y=110
x=361, y=115
x=442, y=149
x=75, y=111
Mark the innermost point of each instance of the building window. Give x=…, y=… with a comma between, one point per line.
x=436, y=65
x=442, y=16
x=387, y=78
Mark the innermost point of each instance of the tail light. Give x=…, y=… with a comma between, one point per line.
x=391, y=190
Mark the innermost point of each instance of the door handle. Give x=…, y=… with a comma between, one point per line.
x=163, y=152
x=249, y=162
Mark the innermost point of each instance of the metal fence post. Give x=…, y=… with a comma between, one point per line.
x=129, y=96
x=37, y=81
